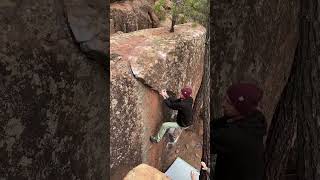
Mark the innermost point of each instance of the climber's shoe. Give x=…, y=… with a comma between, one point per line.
x=153, y=139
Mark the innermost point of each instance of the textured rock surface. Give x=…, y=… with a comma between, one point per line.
x=253, y=41
x=52, y=97
x=145, y=172
x=133, y=15
x=87, y=21
x=140, y=60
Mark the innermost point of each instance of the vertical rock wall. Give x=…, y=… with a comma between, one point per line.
x=53, y=120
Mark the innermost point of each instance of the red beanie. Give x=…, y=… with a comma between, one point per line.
x=186, y=92
x=245, y=97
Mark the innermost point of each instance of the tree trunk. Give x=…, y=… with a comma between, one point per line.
x=198, y=104
x=173, y=22
x=281, y=136
x=308, y=111
x=298, y=112
x=206, y=105
x=174, y=15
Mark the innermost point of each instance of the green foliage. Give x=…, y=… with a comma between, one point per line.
x=194, y=25
x=197, y=10
x=186, y=10
x=159, y=9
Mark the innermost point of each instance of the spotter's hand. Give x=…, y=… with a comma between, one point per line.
x=193, y=175
x=204, y=166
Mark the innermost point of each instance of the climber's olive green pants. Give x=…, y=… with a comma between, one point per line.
x=165, y=126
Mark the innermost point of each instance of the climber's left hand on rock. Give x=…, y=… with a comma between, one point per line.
x=164, y=94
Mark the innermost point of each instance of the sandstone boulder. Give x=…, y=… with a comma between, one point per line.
x=145, y=172
x=133, y=15
x=142, y=63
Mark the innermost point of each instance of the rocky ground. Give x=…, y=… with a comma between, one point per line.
x=188, y=148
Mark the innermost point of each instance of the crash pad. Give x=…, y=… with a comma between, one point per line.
x=180, y=169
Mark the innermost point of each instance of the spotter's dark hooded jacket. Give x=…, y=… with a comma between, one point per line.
x=239, y=147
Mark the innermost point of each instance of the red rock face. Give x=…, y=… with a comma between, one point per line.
x=153, y=118
x=143, y=63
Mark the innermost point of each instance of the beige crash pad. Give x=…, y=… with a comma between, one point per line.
x=145, y=172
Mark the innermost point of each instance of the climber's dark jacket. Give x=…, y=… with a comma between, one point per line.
x=184, y=107
x=239, y=147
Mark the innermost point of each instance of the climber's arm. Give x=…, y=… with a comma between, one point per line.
x=172, y=103
x=164, y=94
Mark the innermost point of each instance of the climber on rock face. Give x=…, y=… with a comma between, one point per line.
x=184, y=107
x=237, y=137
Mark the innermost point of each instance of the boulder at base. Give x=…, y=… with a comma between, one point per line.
x=145, y=172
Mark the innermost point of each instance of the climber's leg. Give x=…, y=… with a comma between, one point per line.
x=165, y=126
